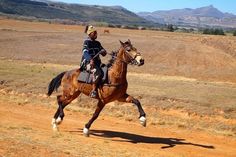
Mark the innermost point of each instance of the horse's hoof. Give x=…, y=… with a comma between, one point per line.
x=143, y=121
x=53, y=121
x=54, y=125
x=86, y=132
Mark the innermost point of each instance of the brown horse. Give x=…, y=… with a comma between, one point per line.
x=115, y=90
x=106, y=31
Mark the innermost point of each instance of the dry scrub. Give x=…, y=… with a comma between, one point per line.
x=168, y=101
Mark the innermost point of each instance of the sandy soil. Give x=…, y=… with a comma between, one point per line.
x=26, y=131
x=25, y=128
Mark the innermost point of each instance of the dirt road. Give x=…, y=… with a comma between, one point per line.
x=187, y=110
x=25, y=131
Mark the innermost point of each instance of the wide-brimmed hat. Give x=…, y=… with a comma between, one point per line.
x=91, y=29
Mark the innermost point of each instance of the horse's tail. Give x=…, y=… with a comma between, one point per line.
x=55, y=83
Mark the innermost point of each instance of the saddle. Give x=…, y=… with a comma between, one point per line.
x=87, y=77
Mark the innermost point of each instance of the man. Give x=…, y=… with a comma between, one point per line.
x=90, y=59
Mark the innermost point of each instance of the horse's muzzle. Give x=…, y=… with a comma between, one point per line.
x=141, y=62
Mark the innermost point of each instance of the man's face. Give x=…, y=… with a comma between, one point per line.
x=93, y=35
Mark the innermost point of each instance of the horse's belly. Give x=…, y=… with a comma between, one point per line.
x=113, y=93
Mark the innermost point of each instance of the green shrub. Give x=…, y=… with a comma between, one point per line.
x=170, y=28
x=234, y=33
x=212, y=31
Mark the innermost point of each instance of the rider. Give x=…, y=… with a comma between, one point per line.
x=90, y=58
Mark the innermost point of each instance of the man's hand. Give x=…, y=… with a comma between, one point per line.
x=103, y=52
x=92, y=63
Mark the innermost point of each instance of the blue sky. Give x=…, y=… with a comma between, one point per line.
x=153, y=5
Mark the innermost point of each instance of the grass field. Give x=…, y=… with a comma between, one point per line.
x=188, y=83
x=168, y=100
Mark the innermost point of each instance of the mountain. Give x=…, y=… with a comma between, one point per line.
x=46, y=9
x=200, y=17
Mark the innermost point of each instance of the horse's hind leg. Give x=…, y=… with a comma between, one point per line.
x=130, y=99
x=62, y=103
x=59, y=115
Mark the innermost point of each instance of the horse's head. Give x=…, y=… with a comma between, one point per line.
x=130, y=54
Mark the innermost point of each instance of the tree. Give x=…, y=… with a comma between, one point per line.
x=206, y=31
x=234, y=33
x=217, y=31
x=170, y=28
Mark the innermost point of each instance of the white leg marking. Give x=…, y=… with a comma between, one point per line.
x=54, y=125
x=143, y=121
x=58, y=120
x=86, y=132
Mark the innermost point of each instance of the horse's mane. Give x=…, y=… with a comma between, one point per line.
x=114, y=55
x=113, y=58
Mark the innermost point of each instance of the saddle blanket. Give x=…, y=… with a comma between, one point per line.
x=87, y=77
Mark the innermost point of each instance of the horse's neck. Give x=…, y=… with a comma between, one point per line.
x=118, y=71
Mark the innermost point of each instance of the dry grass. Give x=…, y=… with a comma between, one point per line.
x=168, y=101
x=187, y=84
x=188, y=80
x=174, y=54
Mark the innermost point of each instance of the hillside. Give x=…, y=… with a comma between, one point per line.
x=178, y=86
x=190, y=55
x=200, y=17
x=73, y=12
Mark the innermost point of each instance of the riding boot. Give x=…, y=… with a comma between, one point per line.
x=93, y=93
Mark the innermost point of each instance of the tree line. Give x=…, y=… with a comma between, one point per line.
x=214, y=31
x=234, y=34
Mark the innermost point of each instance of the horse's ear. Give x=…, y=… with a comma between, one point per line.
x=121, y=43
x=129, y=41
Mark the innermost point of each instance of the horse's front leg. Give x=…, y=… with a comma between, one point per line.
x=130, y=99
x=99, y=108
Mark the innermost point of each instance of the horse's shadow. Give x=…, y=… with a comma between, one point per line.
x=134, y=138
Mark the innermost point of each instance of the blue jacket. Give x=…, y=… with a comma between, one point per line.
x=90, y=49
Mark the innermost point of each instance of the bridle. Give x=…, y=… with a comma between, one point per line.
x=132, y=59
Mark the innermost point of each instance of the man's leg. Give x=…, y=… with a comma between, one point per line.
x=96, y=79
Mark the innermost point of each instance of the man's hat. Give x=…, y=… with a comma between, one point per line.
x=91, y=29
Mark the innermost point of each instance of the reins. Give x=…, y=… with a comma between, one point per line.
x=114, y=57
x=132, y=59
x=117, y=58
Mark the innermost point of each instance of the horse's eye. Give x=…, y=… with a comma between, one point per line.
x=128, y=49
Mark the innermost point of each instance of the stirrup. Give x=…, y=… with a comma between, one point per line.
x=93, y=94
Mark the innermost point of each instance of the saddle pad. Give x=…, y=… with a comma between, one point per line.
x=87, y=77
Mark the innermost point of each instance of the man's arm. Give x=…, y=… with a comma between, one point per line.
x=86, y=54
x=103, y=52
